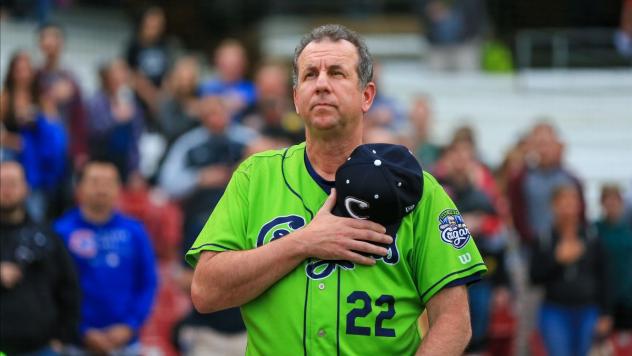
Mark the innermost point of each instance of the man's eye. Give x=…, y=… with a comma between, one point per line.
x=309, y=75
x=338, y=74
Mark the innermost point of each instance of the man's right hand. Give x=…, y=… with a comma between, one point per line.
x=97, y=342
x=330, y=237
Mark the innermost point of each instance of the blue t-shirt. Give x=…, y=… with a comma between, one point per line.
x=116, y=267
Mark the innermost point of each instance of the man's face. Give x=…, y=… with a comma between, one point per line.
x=153, y=26
x=328, y=94
x=548, y=148
x=185, y=76
x=420, y=116
x=51, y=42
x=214, y=115
x=13, y=188
x=231, y=63
x=272, y=82
x=99, y=188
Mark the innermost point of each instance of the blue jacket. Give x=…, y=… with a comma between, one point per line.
x=116, y=267
x=44, y=153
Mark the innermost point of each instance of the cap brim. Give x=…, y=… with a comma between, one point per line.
x=391, y=229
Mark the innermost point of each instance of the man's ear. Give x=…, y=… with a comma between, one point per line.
x=294, y=97
x=368, y=94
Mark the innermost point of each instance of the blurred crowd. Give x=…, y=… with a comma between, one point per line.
x=101, y=193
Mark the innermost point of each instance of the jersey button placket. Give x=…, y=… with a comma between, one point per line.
x=323, y=304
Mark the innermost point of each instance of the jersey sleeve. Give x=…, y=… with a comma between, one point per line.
x=225, y=229
x=444, y=252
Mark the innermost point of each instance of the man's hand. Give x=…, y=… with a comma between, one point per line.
x=97, y=342
x=10, y=274
x=330, y=237
x=119, y=335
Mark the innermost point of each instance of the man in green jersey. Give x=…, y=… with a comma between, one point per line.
x=314, y=283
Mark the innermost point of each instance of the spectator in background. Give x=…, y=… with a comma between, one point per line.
x=39, y=292
x=615, y=231
x=463, y=142
x=148, y=55
x=19, y=98
x=571, y=265
x=196, y=171
x=512, y=165
x=273, y=114
x=530, y=191
x=116, y=119
x=484, y=223
x=115, y=262
x=199, y=164
x=385, y=111
x=231, y=62
x=29, y=136
x=420, y=118
x=177, y=106
x=454, y=30
x=60, y=93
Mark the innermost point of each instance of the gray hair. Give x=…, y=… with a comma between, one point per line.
x=336, y=33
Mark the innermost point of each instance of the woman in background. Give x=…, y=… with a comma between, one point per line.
x=569, y=262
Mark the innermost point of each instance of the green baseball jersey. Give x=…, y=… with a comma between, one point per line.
x=336, y=307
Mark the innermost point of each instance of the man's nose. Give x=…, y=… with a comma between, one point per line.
x=322, y=82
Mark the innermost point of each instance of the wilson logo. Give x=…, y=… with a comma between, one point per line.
x=465, y=258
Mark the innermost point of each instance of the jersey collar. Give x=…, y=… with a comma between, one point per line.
x=324, y=184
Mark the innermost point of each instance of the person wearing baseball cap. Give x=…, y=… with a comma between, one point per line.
x=335, y=247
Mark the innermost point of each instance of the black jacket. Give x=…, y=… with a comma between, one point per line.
x=584, y=282
x=44, y=303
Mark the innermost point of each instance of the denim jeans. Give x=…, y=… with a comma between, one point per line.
x=567, y=331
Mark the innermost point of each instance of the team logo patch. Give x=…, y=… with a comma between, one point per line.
x=83, y=243
x=453, y=228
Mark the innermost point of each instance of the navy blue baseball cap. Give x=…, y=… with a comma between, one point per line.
x=379, y=182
